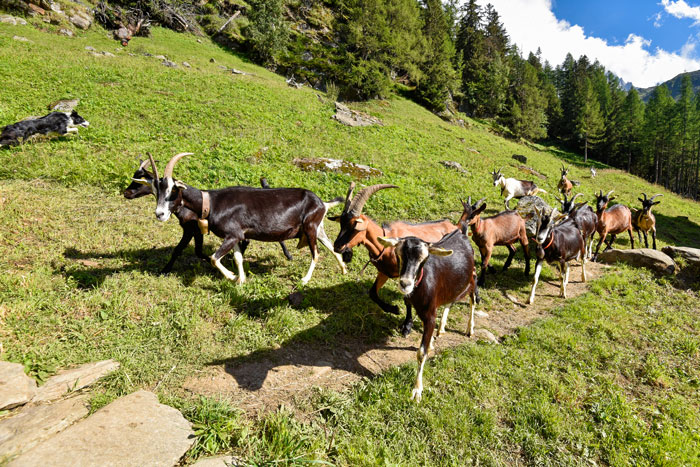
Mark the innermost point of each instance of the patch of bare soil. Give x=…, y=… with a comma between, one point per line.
x=287, y=375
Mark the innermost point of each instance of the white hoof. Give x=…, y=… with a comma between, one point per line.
x=416, y=394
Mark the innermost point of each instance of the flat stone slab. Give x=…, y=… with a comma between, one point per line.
x=133, y=430
x=35, y=423
x=74, y=379
x=350, y=117
x=691, y=255
x=16, y=388
x=640, y=257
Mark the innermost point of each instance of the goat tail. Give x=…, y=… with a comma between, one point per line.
x=334, y=202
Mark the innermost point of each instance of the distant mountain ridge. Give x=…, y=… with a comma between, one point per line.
x=673, y=84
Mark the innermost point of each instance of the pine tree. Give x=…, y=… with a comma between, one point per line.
x=470, y=48
x=632, y=121
x=267, y=31
x=588, y=124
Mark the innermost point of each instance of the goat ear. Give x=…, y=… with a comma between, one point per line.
x=334, y=218
x=479, y=210
x=655, y=202
x=180, y=185
x=433, y=250
x=388, y=242
x=612, y=198
x=142, y=181
x=360, y=224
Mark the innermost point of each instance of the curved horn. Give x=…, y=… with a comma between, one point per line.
x=609, y=193
x=576, y=196
x=478, y=203
x=153, y=165
x=655, y=196
x=348, y=197
x=645, y=196
x=171, y=164
x=469, y=200
x=560, y=201
x=358, y=202
x=143, y=163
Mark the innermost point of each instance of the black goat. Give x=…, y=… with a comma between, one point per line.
x=142, y=185
x=558, y=241
x=433, y=275
x=643, y=220
x=584, y=217
x=241, y=213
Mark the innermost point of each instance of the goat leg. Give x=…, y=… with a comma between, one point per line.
x=653, y=237
x=423, y=351
x=285, y=251
x=511, y=254
x=227, y=245
x=407, y=324
x=187, y=235
x=485, y=257
x=374, y=295
x=198, y=244
x=629, y=231
x=538, y=270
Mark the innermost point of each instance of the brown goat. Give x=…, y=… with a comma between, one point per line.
x=358, y=229
x=643, y=220
x=564, y=186
x=505, y=228
x=611, y=221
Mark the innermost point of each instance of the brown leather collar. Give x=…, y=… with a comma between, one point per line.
x=205, y=205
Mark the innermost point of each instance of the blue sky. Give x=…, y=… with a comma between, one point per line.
x=644, y=42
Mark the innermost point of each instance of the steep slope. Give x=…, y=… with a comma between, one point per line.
x=674, y=85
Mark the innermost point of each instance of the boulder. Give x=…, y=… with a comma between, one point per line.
x=36, y=10
x=640, y=257
x=65, y=32
x=485, y=335
x=454, y=165
x=133, y=430
x=691, y=255
x=7, y=19
x=81, y=21
x=16, y=388
x=168, y=63
x=526, y=205
x=349, y=117
x=35, y=423
x=20, y=38
x=186, y=65
x=74, y=379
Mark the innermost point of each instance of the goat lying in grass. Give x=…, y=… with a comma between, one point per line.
x=558, y=241
x=505, y=228
x=142, y=185
x=434, y=275
x=514, y=188
x=241, y=213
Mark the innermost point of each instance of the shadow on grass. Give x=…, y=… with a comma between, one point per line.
x=88, y=273
x=678, y=230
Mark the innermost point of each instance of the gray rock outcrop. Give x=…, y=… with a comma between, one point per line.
x=690, y=255
x=526, y=205
x=655, y=260
x=16, y=388
x=74, y=379
x=349, y=117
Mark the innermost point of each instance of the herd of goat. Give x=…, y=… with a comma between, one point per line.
x=433, y=261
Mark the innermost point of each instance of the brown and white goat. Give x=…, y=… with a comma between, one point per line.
x=241, y=213
x=612, y=221
x=434, y=275
x=142, y=184
x=503, y=229
x=584, y=217
x=643, y=221
x=564, y=186
x=358, y=229
x=558, y=241
x=514, y=188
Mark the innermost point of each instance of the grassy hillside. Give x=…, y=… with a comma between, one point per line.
x=611, y=377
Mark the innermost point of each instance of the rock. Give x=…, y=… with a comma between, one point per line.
x=122, y=35
x=691, y=255
x=36, y=9
x=485, y=335
x=21, y=21
x=293, y=83
x=520, y=158
x=199, y=41
x=90, y=48
x=454, y=165
x=80, y=21
x=36, y=423
x=7, y=19
x=527, y=205
x=16, y=388
x=133, y=430
x=21, y=39
x=66, y=32
x=108, y=54
x=481, y=314
x=238, y=72
x=352, y=117
x=74, y=379
x=324, y=164
x=640, y=257
x=473, y=150
x=170, y=64
x=307, y=56
x=65, y=105
x=531, y=171
x=186, y=65
x=55, y=7
x=160, y=57
x=220, y=461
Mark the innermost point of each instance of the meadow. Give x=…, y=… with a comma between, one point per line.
x=609, y=377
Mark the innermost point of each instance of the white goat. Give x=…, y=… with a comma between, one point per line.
x=514, y=188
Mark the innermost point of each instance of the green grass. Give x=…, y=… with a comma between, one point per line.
x=612, y=377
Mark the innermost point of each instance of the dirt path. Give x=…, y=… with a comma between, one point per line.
x=288, y=374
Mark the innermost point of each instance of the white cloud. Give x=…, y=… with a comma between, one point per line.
x=532, y=24
x=681, y=10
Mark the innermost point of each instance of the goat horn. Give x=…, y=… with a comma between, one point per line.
x=655, y=196
x=645, y=196
x=609, y=193
x=358, y=202
x=143, y=163
x=155, y=169
x=562, y=202
x=478, y=203
x=576, y=196
x=469, y=201
x=171, y=164
x=348, y=197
